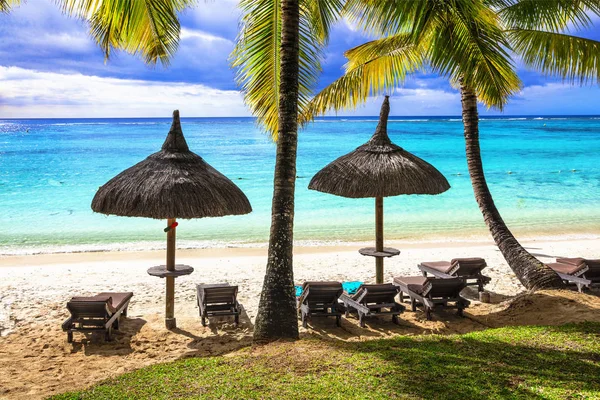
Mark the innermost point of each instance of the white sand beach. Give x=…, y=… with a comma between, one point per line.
x=36, y=360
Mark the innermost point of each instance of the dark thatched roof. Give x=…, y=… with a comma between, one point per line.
x=379, y=168
x=173, y=183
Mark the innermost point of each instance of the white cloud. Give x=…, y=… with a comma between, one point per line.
x=187, y=33
x=34, y=94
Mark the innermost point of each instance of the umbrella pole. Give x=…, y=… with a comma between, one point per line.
x=170, y=321
x=379, y=239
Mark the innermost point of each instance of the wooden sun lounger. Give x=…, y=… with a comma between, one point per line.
x=217, y=300
x=96, y=313
x=319, y=299
x=572, y=274
x=466, y=268
x=371, y=300
x=593, y=268
x=432, y=292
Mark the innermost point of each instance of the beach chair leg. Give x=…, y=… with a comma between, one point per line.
x=338, y=320
x=413, y=304
x=401, y=295
x=203, y=319
x=304, y=321
x=395, y=319
x=428, y=313
x=116, y=324
x=125, y=311
x=361, y=320
x=69, y=337
x=107, y=335
x=480, y=285
x=460, y=312
x=237, y=320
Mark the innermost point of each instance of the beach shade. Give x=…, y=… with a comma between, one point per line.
x=172, y=183
x=379, y=169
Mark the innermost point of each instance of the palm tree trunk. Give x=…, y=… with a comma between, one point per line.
x=532, y=273
x=277, y=316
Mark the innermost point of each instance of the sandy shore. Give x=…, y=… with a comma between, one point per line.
x=36, y=360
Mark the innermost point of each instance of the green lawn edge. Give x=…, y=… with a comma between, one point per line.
x=524, y=362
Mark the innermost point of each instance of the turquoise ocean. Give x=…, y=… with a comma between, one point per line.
x=544, y=174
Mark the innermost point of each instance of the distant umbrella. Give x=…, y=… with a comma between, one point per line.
x=379, y=169
x=172, y=183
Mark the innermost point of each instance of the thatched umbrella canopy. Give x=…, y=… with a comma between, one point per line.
x=379, y=168
x=172, y=183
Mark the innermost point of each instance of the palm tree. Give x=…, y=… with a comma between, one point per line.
x=472, y=42
x=147, y=28
x=277, y=57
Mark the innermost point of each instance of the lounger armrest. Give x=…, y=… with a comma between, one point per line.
x=350, y=302
x=67, y=324
x=434, y=272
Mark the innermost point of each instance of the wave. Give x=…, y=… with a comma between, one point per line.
x=79, y=123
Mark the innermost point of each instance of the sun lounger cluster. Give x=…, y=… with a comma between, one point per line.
x=439, y=286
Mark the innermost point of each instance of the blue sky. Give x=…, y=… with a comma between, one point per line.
x=49, y=67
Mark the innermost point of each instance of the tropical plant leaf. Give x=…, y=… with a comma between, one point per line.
x=149, y=28
x=7, y=5
x=548, y=15
x=373, y=68
x=256, y=54
x=572, y=58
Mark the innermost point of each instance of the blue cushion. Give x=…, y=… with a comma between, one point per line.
x=351, y=287
x=298, y=291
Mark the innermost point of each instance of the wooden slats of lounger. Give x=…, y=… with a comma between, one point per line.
x=373, y=300
x=96, y=313
x=572, y=274
x=217, y=300
x=593, y=265
x=467, y=268
x=319, y=299
x=432, y=292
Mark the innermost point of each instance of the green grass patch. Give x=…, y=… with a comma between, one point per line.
x=561, y=362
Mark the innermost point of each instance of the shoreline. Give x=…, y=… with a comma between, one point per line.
x=260, y=250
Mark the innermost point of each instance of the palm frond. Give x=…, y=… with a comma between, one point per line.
x=322, y=14
x=572, y=58
x=149, y=28
x=391, y=17
x=468, y=42
x=7, y=5
x=256, y=54
x=373, y=68
x=548, y=15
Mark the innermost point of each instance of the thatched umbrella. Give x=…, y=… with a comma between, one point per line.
x=172, y=183
x=379, y=169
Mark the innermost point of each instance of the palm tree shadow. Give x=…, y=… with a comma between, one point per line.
x=476, y=367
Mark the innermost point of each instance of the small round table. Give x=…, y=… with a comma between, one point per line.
x=162, y=272
x=372, y=252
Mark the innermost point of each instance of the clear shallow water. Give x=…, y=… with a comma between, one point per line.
x=50, y=170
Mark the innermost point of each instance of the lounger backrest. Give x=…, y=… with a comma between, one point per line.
x=217, y=295
x=593, y=271
x=446, y=287
x=321, y=292
x=89, y=309
x=467, y=266
x=381, y=293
